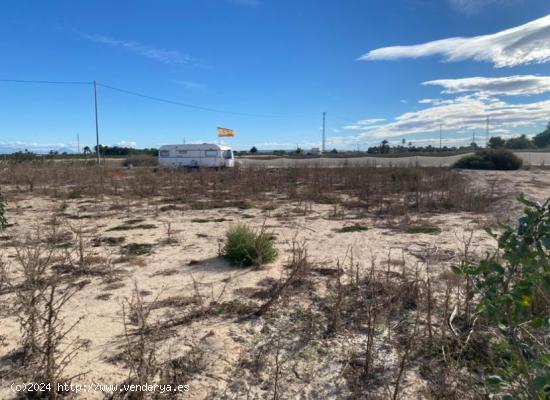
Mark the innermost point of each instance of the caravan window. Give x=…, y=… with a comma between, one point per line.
x=182, y=151
x=211, y=153
x=228, y=154
x=164, y=153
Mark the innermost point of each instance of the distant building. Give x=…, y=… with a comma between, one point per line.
x=315, y=151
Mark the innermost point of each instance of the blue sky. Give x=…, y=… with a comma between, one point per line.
x=381, y=70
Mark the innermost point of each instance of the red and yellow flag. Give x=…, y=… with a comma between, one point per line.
x=225, y=132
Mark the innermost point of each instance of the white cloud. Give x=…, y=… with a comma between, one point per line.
x=157, y=54
x=127, y=143
x=470, y=7
x=370, y=121
x=525, y=44
x=364, y=124
x=518, y=85
x=13, y=146
x=463, y=114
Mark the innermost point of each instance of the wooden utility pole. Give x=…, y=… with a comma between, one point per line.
x=96, y=124
x=487, y=133
x=324, y=118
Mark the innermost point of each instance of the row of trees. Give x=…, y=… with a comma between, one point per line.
x=120, y=151
x=539, y=141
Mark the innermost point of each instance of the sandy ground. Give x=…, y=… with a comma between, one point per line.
x=190, y=264
x=529, y=158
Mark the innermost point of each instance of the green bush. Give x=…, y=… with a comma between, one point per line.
x=245, y=247
x=513, y=289
x=490, y=159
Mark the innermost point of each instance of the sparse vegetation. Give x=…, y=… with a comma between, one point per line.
x=138, y=249
x=376, y=314
x=353, y=228
x=3, y=220
x=428, y=229
x=128, y=227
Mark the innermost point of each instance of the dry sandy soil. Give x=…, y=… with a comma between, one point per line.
x=186, y=271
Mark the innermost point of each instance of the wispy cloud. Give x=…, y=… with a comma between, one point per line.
x=247, y=3
x=190, y=85
x=462, y=114
x=517, y=85
x=13, y=146
x=470, y=7
x=525, y=44
x=154, y=53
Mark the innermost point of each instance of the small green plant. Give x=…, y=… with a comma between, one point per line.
x=353, y=228
x=513, y=288
x=3, y=220
x=127, y=227
x=204, y=221
x=245, y=247
x=500, y=159
x=138, y=249
x=427, y=229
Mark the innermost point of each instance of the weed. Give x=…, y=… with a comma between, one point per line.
x=138, y=249
x=204, y=221
x=127, y=227
x=427, y=229
x=353, y=228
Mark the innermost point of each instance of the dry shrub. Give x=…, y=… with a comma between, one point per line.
x=40, y=302
x=394, y=190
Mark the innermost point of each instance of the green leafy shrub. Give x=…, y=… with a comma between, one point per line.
x=490, y=159
x=513, y=288
x=3, y=220
x=245, y=247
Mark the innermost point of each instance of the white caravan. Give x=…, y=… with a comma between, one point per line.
x=196, y=155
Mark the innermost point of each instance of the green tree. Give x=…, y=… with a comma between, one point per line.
x=518, y=143
x=253, y=149
x=543, y=138
x=384, y=147
x=496, y=142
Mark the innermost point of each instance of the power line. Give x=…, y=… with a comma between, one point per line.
x=177, y=103
x=155, y=98
x=47, y=82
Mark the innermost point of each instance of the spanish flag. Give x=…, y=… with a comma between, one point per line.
x=224, y=132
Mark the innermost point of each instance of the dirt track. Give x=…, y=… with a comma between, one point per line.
x=529, y=158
